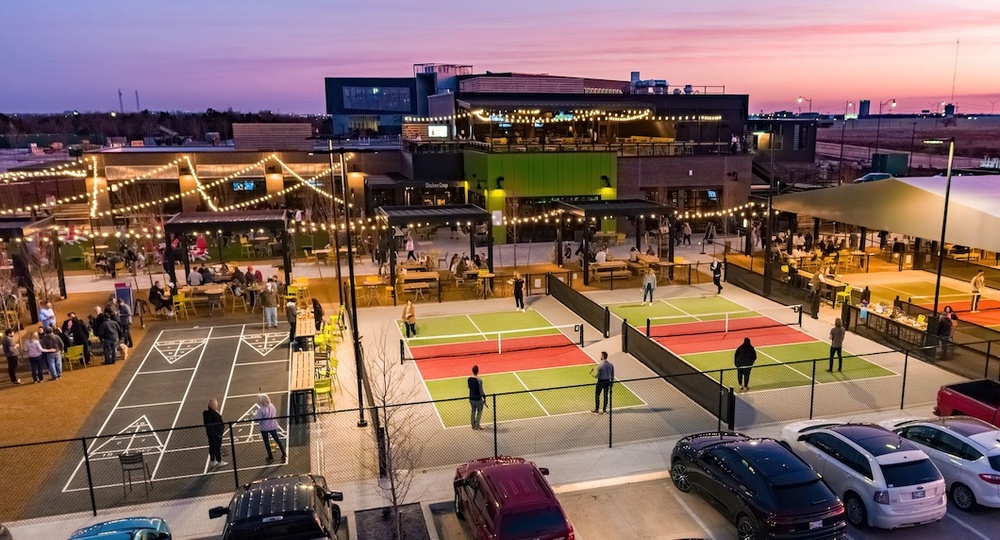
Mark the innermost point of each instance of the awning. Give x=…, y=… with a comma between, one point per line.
x=235, y=221
x=910, y=206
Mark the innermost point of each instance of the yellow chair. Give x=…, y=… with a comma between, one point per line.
x=74, y=354
x=843, y=297
x=332, y=370
x=181, y=304
x=238, y=301
x=119, y=268
x=310, y=256
x=246, y=248
x=323, y=389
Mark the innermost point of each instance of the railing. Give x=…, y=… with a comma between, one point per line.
x=595, y=314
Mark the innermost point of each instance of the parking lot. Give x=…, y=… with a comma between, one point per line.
x=654, y=509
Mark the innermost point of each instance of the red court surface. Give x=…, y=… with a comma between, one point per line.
x=760, y=337
x=713, y=326
x=523, y=359
x=989, y=314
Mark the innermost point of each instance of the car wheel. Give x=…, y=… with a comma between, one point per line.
x=458, y=506
x=963, y=497
x=679, y=474
x=746, y=529
x=857, y=515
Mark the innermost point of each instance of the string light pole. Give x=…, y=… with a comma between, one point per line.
x=843, y=132
x=944, y=218
x=878, y=126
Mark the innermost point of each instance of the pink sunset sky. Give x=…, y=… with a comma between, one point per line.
x=256, y=54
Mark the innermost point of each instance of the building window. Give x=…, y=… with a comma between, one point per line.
x=377, y=98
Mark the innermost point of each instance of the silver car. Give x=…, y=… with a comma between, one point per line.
x=884, y=480
x=966, y=450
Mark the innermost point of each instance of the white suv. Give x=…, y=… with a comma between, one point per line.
x=967, y=452
x=884, y=480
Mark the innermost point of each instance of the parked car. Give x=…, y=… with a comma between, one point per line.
x=873, y=177
x=132, y=528
x=759, y=485
x=507, y=498
x=295, y=506
x=884, y=480
x=979, y=399
x=967, y=452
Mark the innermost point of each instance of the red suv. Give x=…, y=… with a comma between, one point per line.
x=507, y=498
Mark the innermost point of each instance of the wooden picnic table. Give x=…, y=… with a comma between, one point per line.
x=610, y=269
x=302, y=385
x=416, y=276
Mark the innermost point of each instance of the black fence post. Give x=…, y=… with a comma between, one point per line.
x=580, y=326
x=902, y=392
x=812, y=390
x=611, y=412
x=232, y=452
x=722, y=390
x=496, y=444
x=90, y=480
x=731, y=424
x=607, y=322
x=986, y=372
x=402, y=351
x=624, y=335
x=647, y=327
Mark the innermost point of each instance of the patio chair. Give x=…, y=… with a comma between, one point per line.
x=323, y=389
x=238, y=301
x=74, y=354
x=134, y=463
x=310, y=256
x=181, y=304
x=215, y=302
x=246, y=248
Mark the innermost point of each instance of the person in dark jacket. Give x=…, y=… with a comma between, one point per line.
x=78, y=334
x=125, y=321
x=110, y=333
x=477, y=398
x=213, y=429
x=292, y=312
x=744, y=358
x=318, y=314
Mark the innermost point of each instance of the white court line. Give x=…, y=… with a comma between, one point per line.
x=227, y=470
x=229, y=382
x=187, y=390
x=261, y=362
x=532, y=394
x=166, y=371
x=253, y=395
x=477, y=327
x=149, y=404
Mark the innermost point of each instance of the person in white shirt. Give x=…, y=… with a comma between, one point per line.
x=602, y=256
x=194, y=278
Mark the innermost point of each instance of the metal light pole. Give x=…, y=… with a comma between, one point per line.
x=769, y=223
x=843, y=131
x=909, y=162
x=801, y=99
x=944, y=219
x=878, y=127
x=358, y=359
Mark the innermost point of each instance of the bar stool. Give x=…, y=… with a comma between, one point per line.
x=843, y=296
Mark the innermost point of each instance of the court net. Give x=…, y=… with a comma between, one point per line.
x=961, y=302
x=498, y=342
x=723, y=322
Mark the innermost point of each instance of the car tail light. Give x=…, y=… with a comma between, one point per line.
x=571, y=535
x=882, y=497
x=991, y=478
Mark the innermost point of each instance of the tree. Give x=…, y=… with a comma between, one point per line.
x=397, y=427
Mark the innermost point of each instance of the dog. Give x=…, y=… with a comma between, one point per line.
x=123, y=351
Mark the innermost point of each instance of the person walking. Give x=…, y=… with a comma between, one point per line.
x=110, y=333
x=318, y=314
x=291, y=313
x=518, y=283
x=477, y=398
x=410, y=318
x=53, y=346
x=125, y=321
x=648, y=284
x=36, y=357
x=269, y=301
x=605, y=375
x=10, y=351
x=687, y=233
x=409, y=249
x=978, y=282
x=213, y=430
x=265, y=417
x=716, y=267
x=744, y=358
x=837, y=345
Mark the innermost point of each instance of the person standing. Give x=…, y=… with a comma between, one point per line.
x=518, y=282
x=213, y=429
x=605, y=375
x=318, y=314
x=269, y=301
x=716, y=267
x=36, y=357
x=125, y=321
x=409, y=249
x=477, y=398
x=410, y=318
x=687, y=233
x=76, y=330
x=52, y=344
x=292, y=313
x=265, y=417
x=110, y=333
x=837, y=345
x=47, y=316
x=10, y=351
x=648, y=284
x=744, y=359
x=978, y=282
x=943, y=332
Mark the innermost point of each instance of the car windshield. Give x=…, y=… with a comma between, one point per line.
x=533, y=523
x=910, y=473
x=292, y=529
x=802, y=495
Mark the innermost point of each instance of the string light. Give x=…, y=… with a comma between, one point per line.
x=63, y=169
x=200, y=187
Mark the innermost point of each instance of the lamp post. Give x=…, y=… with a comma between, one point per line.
x=801, y=99
x=878, y=127
x=769, y=224
x=944, y=217
x=843, y=131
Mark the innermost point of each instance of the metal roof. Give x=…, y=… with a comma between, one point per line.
x=229, y=221
x=406, y=215
x=570, y=101
x=20, y=227
x=613, y=208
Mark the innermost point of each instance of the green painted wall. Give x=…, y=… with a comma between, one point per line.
x=542, y=175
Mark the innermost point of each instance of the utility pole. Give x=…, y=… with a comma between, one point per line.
x=121, y=104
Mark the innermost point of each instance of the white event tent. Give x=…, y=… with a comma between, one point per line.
x=910, y=206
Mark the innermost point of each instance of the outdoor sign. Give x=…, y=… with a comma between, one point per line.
x=990, y=163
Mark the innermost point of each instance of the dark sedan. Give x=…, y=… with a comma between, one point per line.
x=760, y=485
